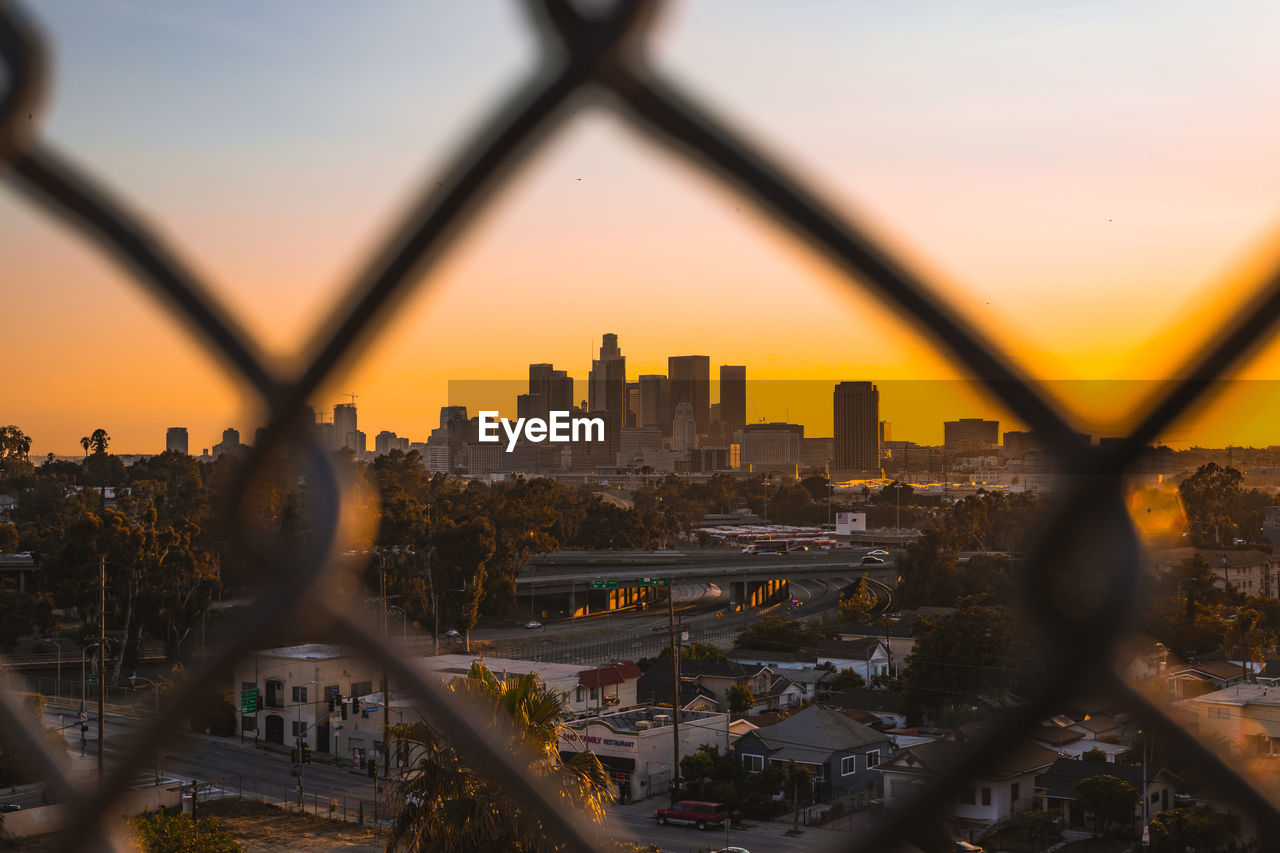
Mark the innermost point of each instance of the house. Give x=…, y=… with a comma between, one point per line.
x=843, y=755
x=885, y=705
x=654, y=688
x=866, y=656
x=895, y=633
x=1005, y=787
x=1249, y=572
x=612, y=685
x=1203, y=677
x=814, y=684
x=1057, y=786
x=718, y=676
x=782, y=694
x=1244, y=717
x=801, y=659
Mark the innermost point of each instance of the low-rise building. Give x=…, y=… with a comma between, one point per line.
x=636, y=747
x=1057, y=786
x=1245, y=717
x=844, y=755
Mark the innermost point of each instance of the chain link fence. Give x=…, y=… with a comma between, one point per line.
x=1086, y=558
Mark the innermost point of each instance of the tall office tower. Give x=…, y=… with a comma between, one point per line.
x=633, y=404
x=691, y=381
x=529, y=406
x=970, y=434
x=684, y=428
x=857, y=427
x=607, y=382
x=554, y=387
x=733, y=396
x=655, y=402
x=176, y=440
x=452, y=413
x=355, y=440
x=344, y=421
x=230, y=443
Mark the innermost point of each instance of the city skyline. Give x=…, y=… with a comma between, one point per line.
x=1100, y=238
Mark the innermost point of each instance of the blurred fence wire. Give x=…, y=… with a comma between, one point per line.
x=1087, y=551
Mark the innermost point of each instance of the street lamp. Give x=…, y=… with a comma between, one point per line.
x=57, y=690
x=134, y=679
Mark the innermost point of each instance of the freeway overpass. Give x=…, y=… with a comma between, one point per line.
x=617, y=576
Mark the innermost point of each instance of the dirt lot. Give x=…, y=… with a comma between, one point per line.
x=260, y=829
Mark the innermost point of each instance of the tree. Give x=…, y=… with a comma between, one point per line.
x=446, y=806
x=1096, y=755
x=848, y=679
x=1111, y=800
x=99, y=441
x=776, y=633
x=741, y=700
x=1182, y=829
x=1218, y=508
x=180, y=834
x=965, y=661
x=698, y=768
x=858, y=605
x=15, y=445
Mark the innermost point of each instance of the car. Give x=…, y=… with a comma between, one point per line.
x=5, y=808
x=732, y=850
x=453, y=632
x=532, y=624
x=696, y=812
x=966, y=847
x=879, y=552
x=870, y=560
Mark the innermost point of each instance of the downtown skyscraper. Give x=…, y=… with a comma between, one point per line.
x=857, y=428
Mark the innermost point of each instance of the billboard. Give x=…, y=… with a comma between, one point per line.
x=850, y=522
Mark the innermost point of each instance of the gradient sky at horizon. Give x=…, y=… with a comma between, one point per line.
x=1091, y=184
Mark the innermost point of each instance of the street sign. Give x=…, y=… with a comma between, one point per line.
x=91, y=678
x=653, y=582
x=603, y=585
x=84, y=716
x=249, y=700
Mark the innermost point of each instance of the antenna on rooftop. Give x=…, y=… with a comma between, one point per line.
x=353, y=398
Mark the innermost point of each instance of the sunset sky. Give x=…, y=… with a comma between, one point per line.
x=1094, y=185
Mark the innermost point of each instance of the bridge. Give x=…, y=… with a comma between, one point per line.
x=596, y=581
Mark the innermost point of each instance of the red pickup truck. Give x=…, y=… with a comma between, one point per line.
x=699, y=814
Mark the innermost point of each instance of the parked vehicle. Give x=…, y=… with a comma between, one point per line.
x=870, y=560
x=453, y=632
x=695, y=812
x=531, y=624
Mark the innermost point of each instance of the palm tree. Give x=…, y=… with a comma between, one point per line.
x=446, y=807
x=99, y=440
x=84, y=442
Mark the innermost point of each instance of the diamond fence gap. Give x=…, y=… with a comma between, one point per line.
x=1086, y=555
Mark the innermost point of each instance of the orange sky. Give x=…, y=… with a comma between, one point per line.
x=1079, y=182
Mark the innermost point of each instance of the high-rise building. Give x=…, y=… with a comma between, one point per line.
x=775, y=445
x=690, y=377
x=970, y=434
x=387, y=441
x=356, y=441
x=633, y=404
x=655, y=402
x=857, y=428
x=733, y=396
x=176, y=440
x=607, y=382
x=230, y=443
x=344, y=423
x=554, y=388
x=452, y=413
x=684, y=435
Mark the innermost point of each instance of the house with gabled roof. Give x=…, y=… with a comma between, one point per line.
x=1004, y=787
x=1057, y=787
x=843, y=754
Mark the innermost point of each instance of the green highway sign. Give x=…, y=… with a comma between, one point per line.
x=91, y=678
x=603, y=585
x=249, y=700
x=653, y=582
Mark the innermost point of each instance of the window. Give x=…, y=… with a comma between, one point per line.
x=848, y=764
x=299, y=728
x=873, y=758
x=299, y=694
x=986, y=796
x=1220, y=712
x=967, y=796
x=580, y=694
x=753, y=763
x=1013, y=792
x=248, y=685
x=248, y=723
x=595, y=692
x=275, y=693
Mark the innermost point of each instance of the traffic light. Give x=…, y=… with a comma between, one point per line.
x=306, y=754
x=84, y=727
x=259, y=703
x=373, y=767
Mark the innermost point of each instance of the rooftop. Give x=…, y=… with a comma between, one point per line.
x=461, y=665
x=308, y=651
x=626, y=721
x=1242, y=694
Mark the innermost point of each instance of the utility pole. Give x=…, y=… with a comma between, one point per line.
x=675, y=696
x=386, y=697
x=102, y=650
